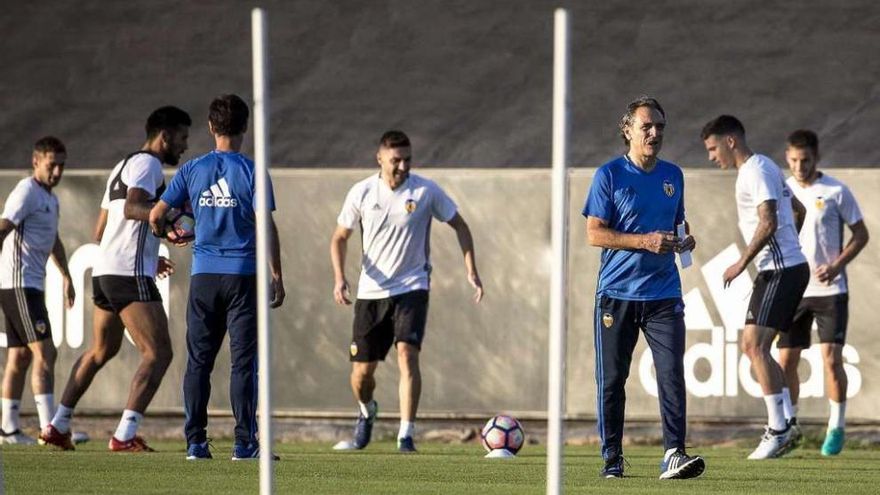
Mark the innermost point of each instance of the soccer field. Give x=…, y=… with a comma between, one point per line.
x=437, y=469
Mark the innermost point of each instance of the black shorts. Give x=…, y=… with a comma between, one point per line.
x=115, y=292
x=831, y=314
x=27, y=320
x=378, y=323
x=776, y=295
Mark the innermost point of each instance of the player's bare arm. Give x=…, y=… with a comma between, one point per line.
x=5, y=228
x=799, y=211
x=156, y=217
x=767, y=224
x=466, y=242
x=138, y=204
x=599, y=234
x=60, y=258
x=858, y=240
x=338, y=246
x=277, y=281
x=100, y=225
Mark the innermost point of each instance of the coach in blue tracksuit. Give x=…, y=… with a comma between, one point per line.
x=223, y=290
x=633, y=207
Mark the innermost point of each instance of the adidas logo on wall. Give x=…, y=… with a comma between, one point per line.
x=218, y=196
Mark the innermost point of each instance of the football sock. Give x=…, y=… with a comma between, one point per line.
x=787, y=407
x=837, y=418
x=368, y=409
x=794, y=410
x=10, y=415
x=128, y=425
x=45, y=408
x=406, y=429
x=62, y=418
x=775, y=416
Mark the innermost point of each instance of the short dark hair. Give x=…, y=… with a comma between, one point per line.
x=49, y=144
x=804, y=138
x=394, y=139
x=228, y=115
x=722, y=126
x=167, y=118
x=627, y=119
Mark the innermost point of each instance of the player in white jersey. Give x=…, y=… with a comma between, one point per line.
x=124, y=290
x=29, y=237
x=393, y=210
x=766, y=209
x=830, y=205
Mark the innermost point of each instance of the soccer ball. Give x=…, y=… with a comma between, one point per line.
x=503, y=433
x=180, y=224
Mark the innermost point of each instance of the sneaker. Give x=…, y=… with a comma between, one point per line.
x=680, y=466
x=833, y=442
x=196, y=451
x=773, y=443
x=136, y=444
x=406, y=445
x=51, y=436
x=363, y=429
x=797, y=435
x=613, y=468
x=18, y=438
x=249, y=452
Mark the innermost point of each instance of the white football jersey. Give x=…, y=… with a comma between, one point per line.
x=830, y=205
x=128, y=247
x=34, y=212
x=759, y=179
x=396, y=232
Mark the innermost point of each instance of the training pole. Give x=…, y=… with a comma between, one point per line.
x=261, y=160
x=559, y=241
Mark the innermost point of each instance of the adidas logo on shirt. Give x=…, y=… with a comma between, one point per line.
x=218, y=196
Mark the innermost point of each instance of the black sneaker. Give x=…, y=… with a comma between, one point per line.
x=613, y=468
x=363, y=429
x=406, y=445
x=680, y=466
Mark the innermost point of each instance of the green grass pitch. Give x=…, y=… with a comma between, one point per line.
x=313, y=469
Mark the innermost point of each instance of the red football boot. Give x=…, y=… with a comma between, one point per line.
x=136, y=444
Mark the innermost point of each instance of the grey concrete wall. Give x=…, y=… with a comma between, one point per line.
x=477, y=358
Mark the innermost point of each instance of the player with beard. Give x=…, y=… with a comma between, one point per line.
x=394, y=210
x=124, y=289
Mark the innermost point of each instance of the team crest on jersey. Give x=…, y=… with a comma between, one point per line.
x=607, y=320
x=820, y=203
x=353, y=349
x=668, y=188
x=41, y=327
x=410, y=206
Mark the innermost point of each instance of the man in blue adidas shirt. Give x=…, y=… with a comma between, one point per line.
x=223, y=290
x=633, y=207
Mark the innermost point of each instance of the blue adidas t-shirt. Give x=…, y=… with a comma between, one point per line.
x=220, y=188
x=637, y=202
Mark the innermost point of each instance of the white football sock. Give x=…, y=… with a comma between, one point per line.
x=45, y=408
x=128, y=425
x=368, y=409
x=10, y=415
x=794, y=410
x=787, y=406
x=62, y=418
x=406, y=429
x=775, y=416
x=837, y=418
